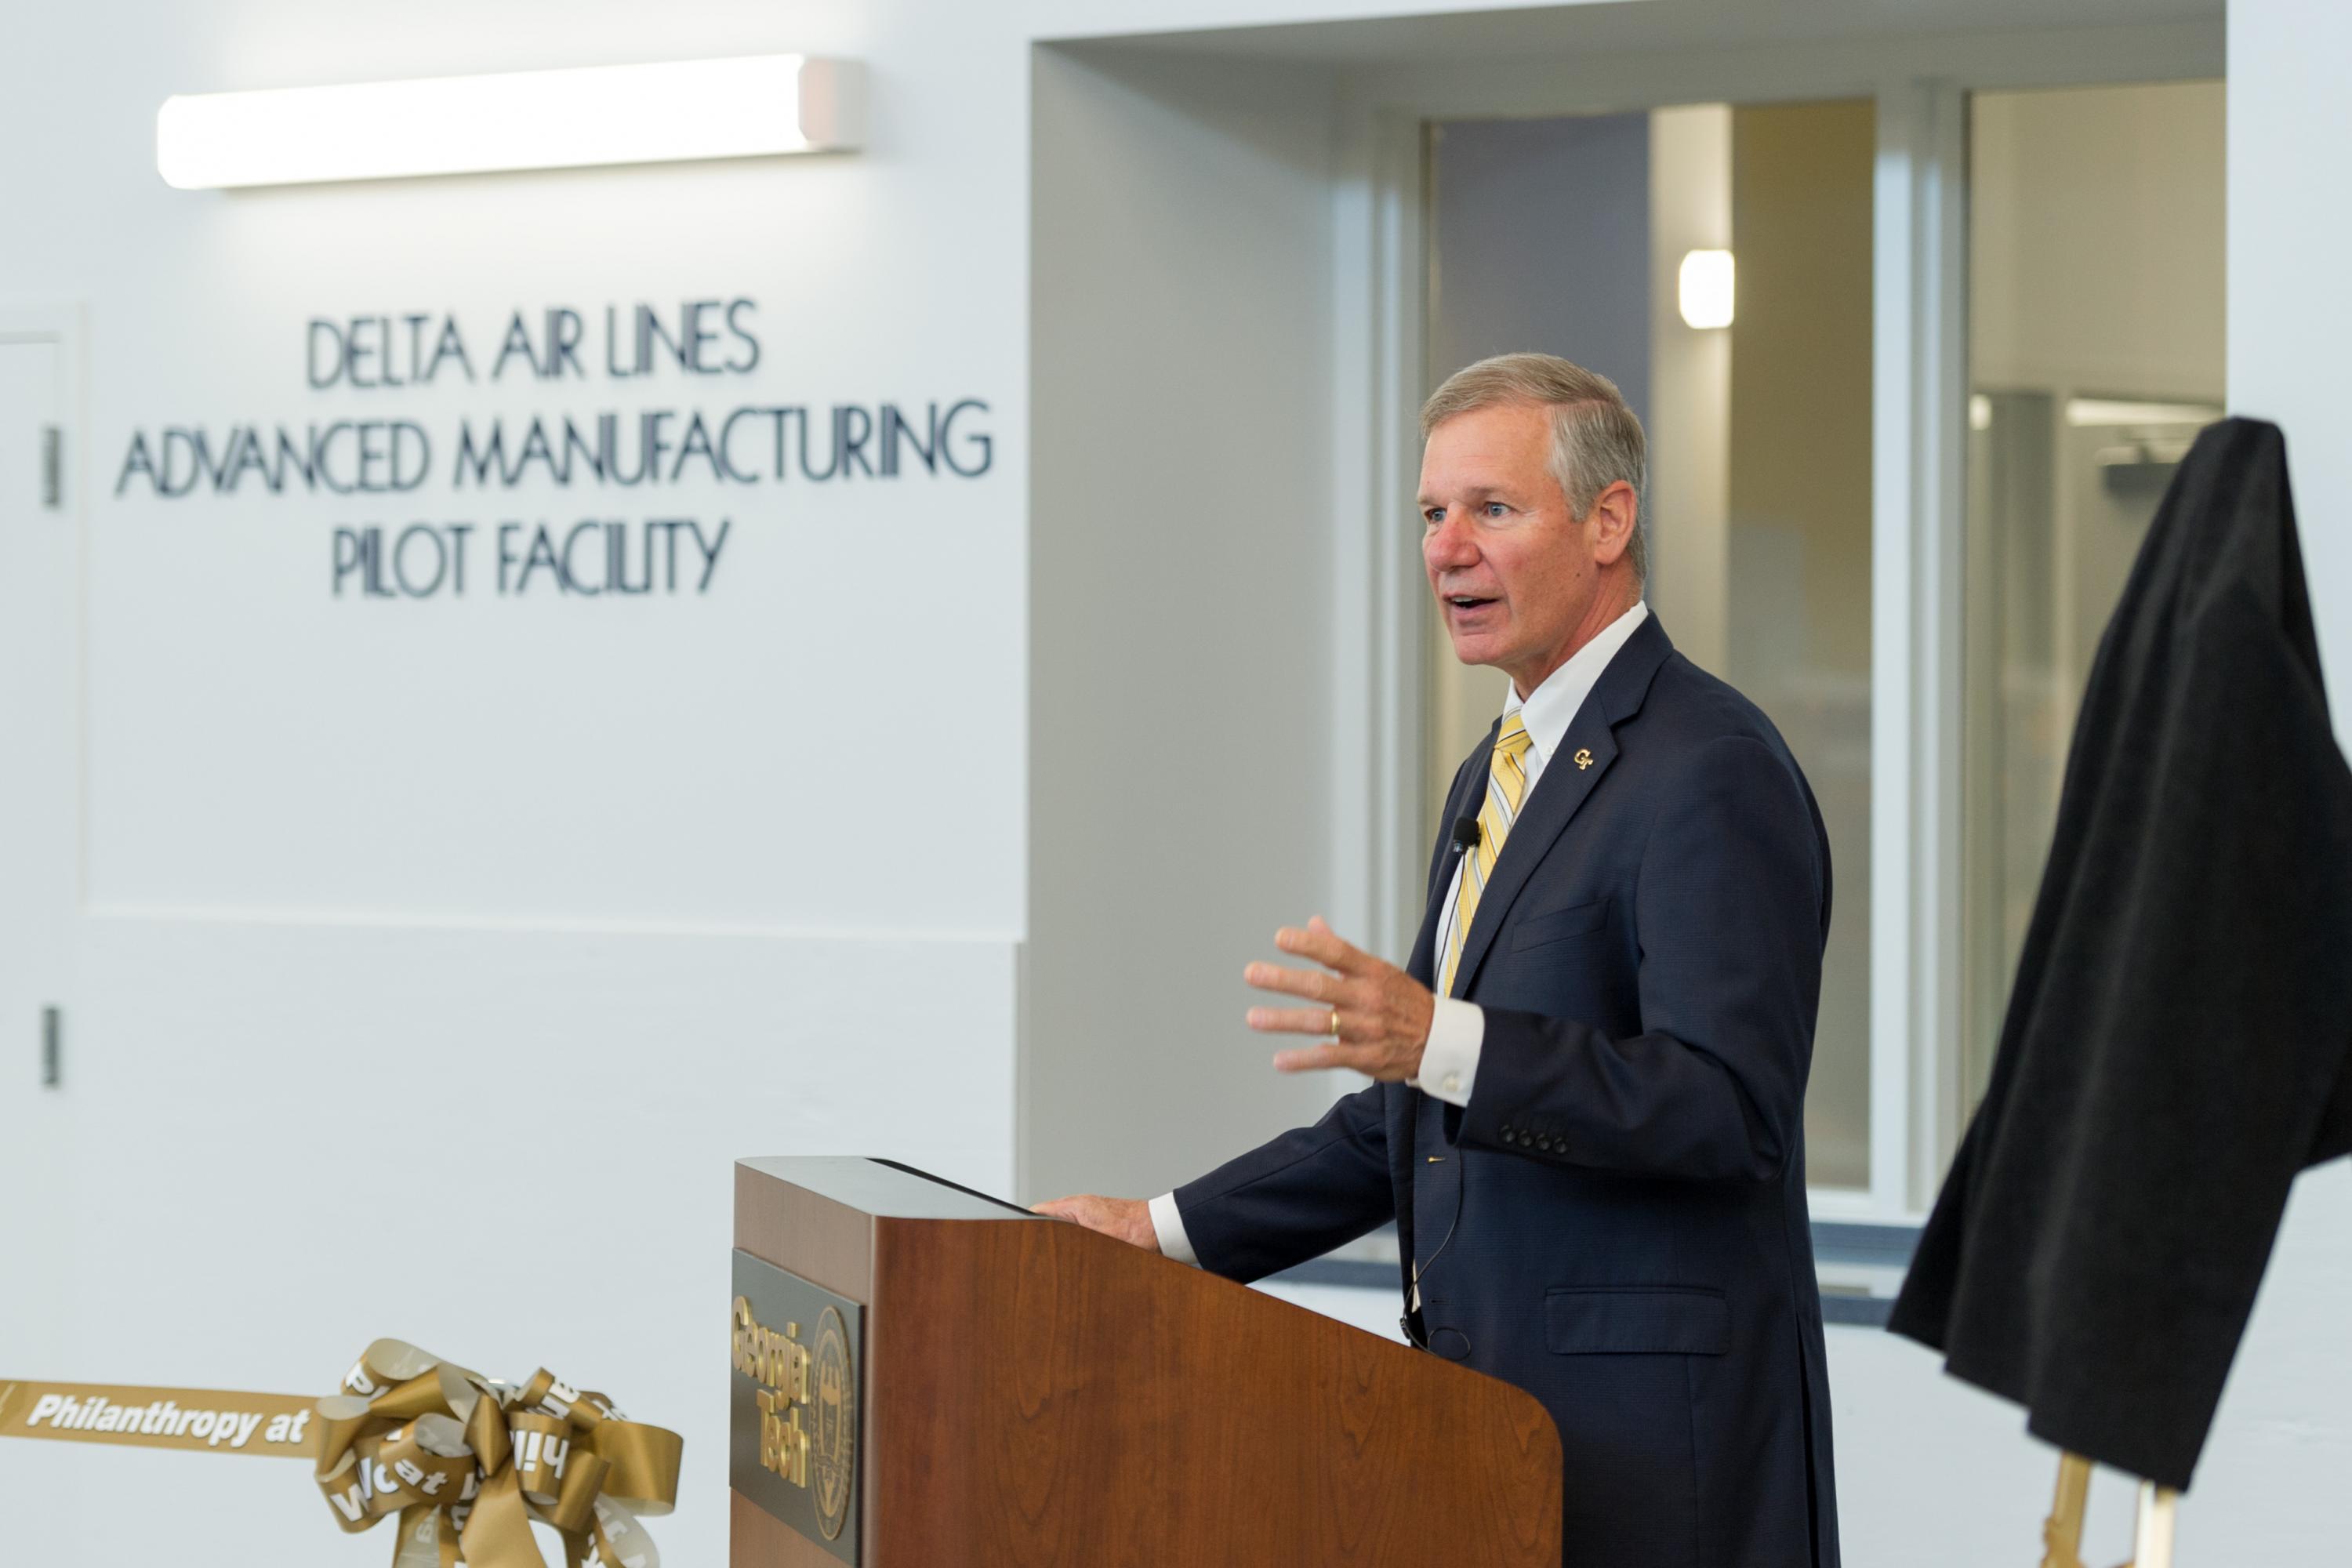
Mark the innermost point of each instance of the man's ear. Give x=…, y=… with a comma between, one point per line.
x=1615, y=513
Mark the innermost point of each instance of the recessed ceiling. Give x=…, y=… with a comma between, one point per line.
x=1613, y=27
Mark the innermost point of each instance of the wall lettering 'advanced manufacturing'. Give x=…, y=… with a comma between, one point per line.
x=370, y=451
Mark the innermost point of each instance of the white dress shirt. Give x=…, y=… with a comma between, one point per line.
x=1457, y=1029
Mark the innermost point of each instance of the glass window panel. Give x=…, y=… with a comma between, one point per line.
x=2095, y=354
x=1567, y=236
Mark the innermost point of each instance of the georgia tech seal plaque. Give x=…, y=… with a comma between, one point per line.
x=793, y=1347
x=833, y=1461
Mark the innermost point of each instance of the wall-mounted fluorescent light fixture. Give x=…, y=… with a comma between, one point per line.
x=750, y=107
x=1706, y=280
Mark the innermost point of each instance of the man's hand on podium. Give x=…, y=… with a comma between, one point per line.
x=1127, y=1219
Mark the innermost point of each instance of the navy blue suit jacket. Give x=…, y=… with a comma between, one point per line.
x=1616, y=1222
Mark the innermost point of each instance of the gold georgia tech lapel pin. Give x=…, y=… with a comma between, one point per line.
x=1583, y=759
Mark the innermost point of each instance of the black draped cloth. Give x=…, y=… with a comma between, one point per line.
x=2178, y=1042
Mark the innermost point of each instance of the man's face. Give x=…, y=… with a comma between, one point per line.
x=1514, y=573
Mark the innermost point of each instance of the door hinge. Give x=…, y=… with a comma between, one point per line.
x=53, y=1065
x=53, y=466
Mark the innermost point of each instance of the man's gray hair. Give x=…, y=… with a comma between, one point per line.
x=1595, y=439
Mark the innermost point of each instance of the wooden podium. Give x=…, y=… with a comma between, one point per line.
x=1027, y=1391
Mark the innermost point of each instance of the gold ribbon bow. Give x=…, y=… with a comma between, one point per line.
x=466, y=1464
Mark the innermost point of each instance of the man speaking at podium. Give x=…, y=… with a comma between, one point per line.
x=1588, y=1118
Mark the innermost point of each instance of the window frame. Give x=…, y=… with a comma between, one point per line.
x=1919, y=411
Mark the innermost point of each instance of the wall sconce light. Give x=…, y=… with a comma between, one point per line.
x=1705, y=279
x=749, y=107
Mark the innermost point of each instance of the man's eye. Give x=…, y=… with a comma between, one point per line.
x=1434, y=516
x=1495, y=509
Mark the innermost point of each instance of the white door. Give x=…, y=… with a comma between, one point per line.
x=39, y=837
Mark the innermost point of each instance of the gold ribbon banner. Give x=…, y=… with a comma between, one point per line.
x=204, y=1419
x=466, y=1464
x=463, y=1463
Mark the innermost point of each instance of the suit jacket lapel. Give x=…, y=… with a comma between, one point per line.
x=1569, y=776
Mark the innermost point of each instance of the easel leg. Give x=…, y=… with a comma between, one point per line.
x=2152, y=1535
x=2061, y=1532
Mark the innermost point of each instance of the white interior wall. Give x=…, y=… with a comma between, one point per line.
x=2272, y=1482
x=432, y=960
x=1181, y=531
x=2290, y=226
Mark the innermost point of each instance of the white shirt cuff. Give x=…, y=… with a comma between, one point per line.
x=1449, y=1063
x=1167, y=1225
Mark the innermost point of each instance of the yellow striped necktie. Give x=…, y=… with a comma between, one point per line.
x=1507, y=786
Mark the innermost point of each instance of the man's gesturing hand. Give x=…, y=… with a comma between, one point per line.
x=1379, y=1013
x=1126, y=1219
